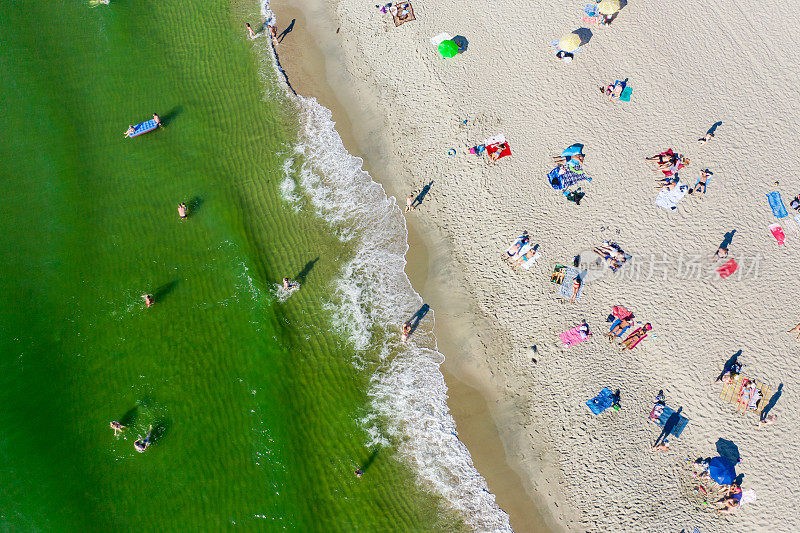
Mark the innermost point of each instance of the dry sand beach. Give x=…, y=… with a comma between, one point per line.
x=691, y=65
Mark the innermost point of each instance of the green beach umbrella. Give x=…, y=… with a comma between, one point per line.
x=448, y=48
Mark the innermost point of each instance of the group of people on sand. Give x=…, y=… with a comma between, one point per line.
x=521, y=253
x=611, y=253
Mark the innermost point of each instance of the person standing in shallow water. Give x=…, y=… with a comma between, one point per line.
x=148, y=299
x=250, y=31
x=182, y=210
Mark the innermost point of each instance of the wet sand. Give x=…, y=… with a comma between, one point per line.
x=309, y=55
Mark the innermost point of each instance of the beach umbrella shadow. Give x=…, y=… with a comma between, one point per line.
x=728, y=450
x=584, y=34
x=461, y=42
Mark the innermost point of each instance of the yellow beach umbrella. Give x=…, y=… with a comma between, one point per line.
x=569, y=43
x=608, y=7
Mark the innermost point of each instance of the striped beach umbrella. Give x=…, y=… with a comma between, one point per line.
x=608, y=7
x=569, y=43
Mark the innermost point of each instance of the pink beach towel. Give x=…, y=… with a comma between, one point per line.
x=728, y=268
x=777, y=232
x=571, y=337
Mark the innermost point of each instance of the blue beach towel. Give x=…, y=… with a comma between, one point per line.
x=572, y=175
x=665, y=415
x=696, y=183
x=625, y=96
x=601, y=402
x=615, y=323
x=775, y=202
x=144, y=127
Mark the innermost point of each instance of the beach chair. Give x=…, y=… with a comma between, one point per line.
x=732, y=393
x=402, y=13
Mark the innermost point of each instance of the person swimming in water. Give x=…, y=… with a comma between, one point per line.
x=289, y=284
x=157, y=119
x=130, y=131
x=406, y=331
x=148, y=299
x=182, y=210
x=117, y=427
x=142, y=444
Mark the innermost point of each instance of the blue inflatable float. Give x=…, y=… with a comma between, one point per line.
x=144, y=127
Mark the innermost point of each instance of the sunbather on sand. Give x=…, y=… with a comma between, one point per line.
x=631, y=340
x=524, y=249
x=663, y=157
x=494, y=156
x=666, y=184
x=619, y=328
x=768, y=420
x=525, y=259
x=560, y=159
x=700, y=188
x=512, y=251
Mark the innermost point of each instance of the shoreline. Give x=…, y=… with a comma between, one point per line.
x=472, y=396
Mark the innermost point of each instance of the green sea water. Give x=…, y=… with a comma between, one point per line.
x=254, y=403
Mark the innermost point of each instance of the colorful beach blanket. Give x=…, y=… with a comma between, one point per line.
x=601, y=402
x=566, y=176
x=573, y=336
x=728, y=268
x=776, y=203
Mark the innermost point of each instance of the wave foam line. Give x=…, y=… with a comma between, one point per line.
x=373, y=294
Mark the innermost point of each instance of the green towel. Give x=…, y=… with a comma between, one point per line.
x=625, y=96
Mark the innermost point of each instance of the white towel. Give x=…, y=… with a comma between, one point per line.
x=670, y=199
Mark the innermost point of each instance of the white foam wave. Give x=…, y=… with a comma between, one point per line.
x=373, y=295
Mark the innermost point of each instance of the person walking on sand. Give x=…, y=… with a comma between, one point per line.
x=148, y=299
x=410, y=203
x=250, y=31
x=182, y=210
x=721, y=253
x=797, y=329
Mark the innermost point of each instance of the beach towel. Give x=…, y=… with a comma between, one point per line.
x=748, y=496
x=775, y=202
x=573, y=336
x=661, y=415
x=670, y=199
x=615, y=324
x=620, y=312
x=708, y=178
x=144, y=127
x=728, y=268
x=777, y=232
x=590, y=14
x=601, y=402
x=402, y=12
x=565, y=289
x=733, y=392
x=625, y=96
x=436, y=40
x=562, y=177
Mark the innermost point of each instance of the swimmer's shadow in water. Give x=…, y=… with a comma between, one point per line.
x=164, y=290
x=370, y=459
x=194, y=205
x=160, y=430
x=129, y=418
x=303, y=274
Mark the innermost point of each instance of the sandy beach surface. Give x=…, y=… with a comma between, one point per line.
x=691, y=66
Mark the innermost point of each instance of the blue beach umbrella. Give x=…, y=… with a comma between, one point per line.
x=721, y=470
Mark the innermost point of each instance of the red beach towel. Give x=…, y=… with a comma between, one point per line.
x=728, y=268
x=777, y=232
x=492, y=148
